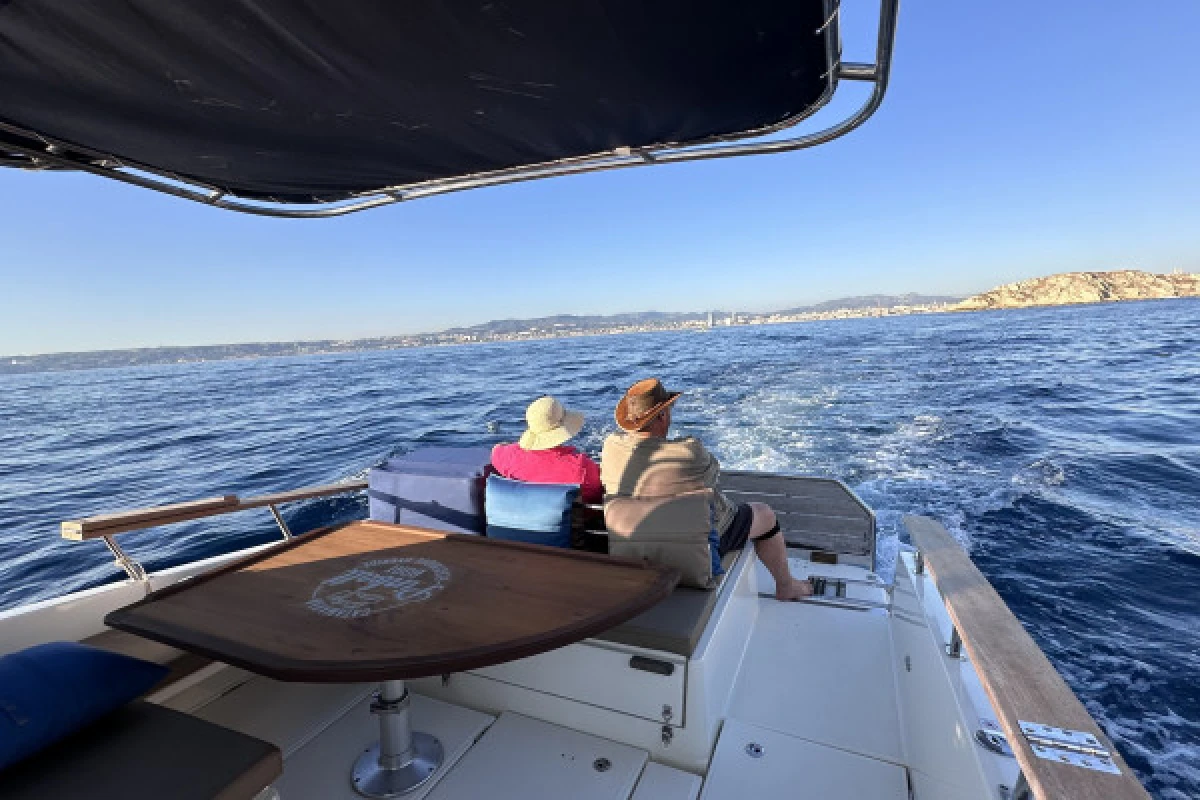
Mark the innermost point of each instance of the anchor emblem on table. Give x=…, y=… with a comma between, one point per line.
x=378, y=585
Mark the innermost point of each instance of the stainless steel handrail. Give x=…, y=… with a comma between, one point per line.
x=107, y=526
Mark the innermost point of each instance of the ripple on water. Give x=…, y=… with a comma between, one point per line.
x=1062, y=446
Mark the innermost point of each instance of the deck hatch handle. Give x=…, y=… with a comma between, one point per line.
x=1079, y=748
x=652, y=665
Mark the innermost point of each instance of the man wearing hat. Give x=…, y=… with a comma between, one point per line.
x=542, y=454
x=641, y=461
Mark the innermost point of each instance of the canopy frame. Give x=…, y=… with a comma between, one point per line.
x=30, y=150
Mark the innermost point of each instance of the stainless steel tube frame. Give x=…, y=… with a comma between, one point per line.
x=51, y=155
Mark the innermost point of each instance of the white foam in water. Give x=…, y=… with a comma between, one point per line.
x=1039, y=438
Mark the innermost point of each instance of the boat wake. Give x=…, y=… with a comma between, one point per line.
x=1052, y=443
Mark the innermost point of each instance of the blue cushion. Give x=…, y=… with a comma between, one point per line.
x=432, y=487
x=714, y=550
x=51, y=690
x=539, y=513
x=450, y=462
x=714, y=543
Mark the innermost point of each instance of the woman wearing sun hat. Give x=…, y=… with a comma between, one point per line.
x=542, y=454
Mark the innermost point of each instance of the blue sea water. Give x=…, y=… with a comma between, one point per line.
x=1061, y=446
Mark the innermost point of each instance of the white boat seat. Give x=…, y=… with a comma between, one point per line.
x=146, y=752
x=676, y=624
x=180, y=663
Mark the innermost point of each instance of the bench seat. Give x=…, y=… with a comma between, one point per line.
x=146, y=752
x=179, y=662
x=676, y=624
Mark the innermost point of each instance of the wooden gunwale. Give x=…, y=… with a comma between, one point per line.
x=1019, y=680
x=102, y=525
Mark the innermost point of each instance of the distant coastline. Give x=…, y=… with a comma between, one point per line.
x=1076, y=288
x=1062, y=289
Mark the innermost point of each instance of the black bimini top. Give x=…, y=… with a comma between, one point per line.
x=294, y=101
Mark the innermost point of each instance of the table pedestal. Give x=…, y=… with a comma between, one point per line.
x=402, y=759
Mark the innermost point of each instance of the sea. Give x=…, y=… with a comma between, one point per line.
x=1061, y=446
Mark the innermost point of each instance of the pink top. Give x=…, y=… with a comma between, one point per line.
x=562, y=464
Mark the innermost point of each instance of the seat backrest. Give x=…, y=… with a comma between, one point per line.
x=538, y=513
x=438, y=488
x=671, y=531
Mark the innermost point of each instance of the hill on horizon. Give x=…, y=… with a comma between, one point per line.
x=502, y=326
x=634, y=318
x=1061, y=289
x=1071, y=288
x=875, y=301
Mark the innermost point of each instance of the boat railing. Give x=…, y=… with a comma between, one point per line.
x=817, y=513
x=107, y=526
x=1061, y=750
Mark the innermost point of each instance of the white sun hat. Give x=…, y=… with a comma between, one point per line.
x=549, y=424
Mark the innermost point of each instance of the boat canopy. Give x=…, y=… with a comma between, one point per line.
x=299, y=108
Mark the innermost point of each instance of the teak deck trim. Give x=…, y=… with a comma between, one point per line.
x=1019, y=680
x=138, y=519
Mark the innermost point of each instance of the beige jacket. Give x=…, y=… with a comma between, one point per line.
x=642, y=466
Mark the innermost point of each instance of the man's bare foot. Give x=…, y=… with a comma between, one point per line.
x=794, y=590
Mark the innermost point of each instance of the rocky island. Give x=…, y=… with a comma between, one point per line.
x=1070, y=288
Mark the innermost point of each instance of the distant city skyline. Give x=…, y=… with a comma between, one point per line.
x=1017, y=140
x=1073, y=288
x=492, y=330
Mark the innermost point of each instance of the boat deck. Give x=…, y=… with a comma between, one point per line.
x=813, y=689
x=822, y=674
x=845, y=697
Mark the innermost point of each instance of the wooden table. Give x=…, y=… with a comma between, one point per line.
x=371, y=601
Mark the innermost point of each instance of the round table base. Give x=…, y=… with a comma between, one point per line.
x=370, y=779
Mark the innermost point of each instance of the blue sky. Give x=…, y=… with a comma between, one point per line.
x=1018, y=139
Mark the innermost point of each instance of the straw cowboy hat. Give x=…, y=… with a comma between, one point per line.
x=642, y=403
x=549, y=424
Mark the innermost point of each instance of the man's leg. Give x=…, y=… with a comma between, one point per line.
x=772, y=551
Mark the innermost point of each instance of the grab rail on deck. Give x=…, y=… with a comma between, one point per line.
x=1060, y=748
x=106, y=526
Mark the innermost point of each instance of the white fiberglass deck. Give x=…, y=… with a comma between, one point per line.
x=813, y=690
x=752, y=761
x=822, y=673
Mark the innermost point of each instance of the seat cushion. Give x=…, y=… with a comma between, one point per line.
x=147, y=752
x=444, y=502
x=431, y=487
x=670, y=531
x=52, y=690
x=450, y=462
x=674, y=625
x=538, y=513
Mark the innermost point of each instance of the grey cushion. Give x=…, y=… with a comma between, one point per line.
x=147, y=752
x=676, y=624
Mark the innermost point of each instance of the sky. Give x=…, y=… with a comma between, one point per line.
x=1017, y=139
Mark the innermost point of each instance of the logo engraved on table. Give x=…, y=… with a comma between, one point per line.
x=378, y=585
